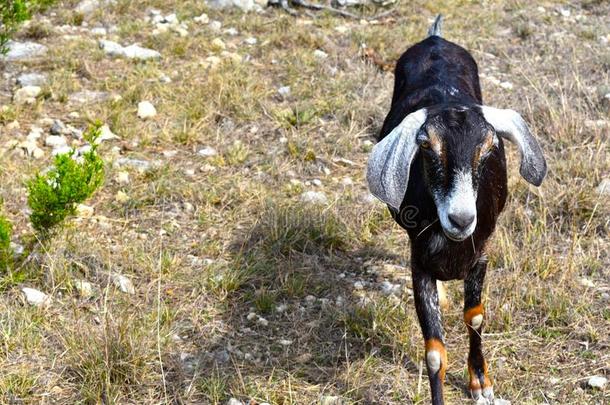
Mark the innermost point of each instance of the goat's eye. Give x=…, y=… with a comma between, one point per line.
x=425, y=145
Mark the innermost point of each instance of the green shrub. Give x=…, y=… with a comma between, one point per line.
x=13, y=13
x=55, y=194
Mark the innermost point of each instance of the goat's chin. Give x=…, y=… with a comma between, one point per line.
x=461, y=236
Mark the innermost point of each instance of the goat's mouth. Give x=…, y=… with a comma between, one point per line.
x=457, y=237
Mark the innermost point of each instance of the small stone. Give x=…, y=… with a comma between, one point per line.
x=285, y=342
x=88, y=97
x=55, y=141
x=319, y=54
x=316, y=182
x=251, y=316
x=250, y=41
x=232, y=31
x=500, y=401
x=218, y=44
x=604, y=187
x=58, y=128
x=506, y=85
x=84, y=288
x=26, y=95
x=121, y=197
x=31, y=79
x=23, y=51
x=106, y=134
x=359, y=285
x=131, y=52
x=284, y=91
x=99, y=31
x=587, y=283
x=202, y=19
x=347, y=181
x=234, y=401
x=388, y=288
x=281, y=308
x=208, y=151
x=331, y=400
x=140, y=165
x=36, y=297
x=597, y=381
x=123, y=283
x=17, y=248
x=84, y=211
x=262, y=321
x=314, y=197
x=564, y=12
x=367, y=146
x=215, y=25
x=146, y=110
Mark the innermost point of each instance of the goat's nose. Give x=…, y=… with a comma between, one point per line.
x=461, y=220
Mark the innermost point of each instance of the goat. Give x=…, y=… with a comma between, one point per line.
x=440, y=167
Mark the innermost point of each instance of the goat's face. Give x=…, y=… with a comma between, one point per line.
x=454, y=144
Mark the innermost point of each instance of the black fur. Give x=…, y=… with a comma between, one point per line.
x=443, y=78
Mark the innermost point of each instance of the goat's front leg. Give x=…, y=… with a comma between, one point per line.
x=480, y=383
x=429, y=315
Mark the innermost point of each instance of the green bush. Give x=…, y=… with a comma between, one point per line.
x=55, y=194
x=13, y=13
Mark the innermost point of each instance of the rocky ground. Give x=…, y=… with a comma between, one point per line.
x=234, y=254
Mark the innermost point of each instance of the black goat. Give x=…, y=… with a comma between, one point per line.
x=439, y=165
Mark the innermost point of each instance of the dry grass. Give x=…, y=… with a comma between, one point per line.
x=185, y=336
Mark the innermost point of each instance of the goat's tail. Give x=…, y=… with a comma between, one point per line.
x=435, y=28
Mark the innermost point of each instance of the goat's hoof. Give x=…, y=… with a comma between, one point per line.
x=483, y=396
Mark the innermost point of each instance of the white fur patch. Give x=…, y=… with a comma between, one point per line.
x=462, y=200
x=433, y=359
x=488, y=392
x=476, y=321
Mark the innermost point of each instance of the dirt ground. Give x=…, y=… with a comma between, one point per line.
x=245, y=288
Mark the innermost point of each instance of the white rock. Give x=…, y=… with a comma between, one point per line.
x=564, y=12
x=604, y=187
x=251, y=316
x=31, y=79
x=314, y=197
x=123, y=283
x=597, y=381
x=36, y=297
x=89, y=6
x=84, y=211
x=500, y=401
x=250, y=41
x=23, y=50
x=359, y=285
x=55, y=141
x=88, y=97
x=202, y=19
x=84, y=288
x=132, y=51
x=140, y=165
x=122, y=177
x=319, y=54
x=17, y=248
x=347, y=181
x=26, y=95
x=208, y=151
x=281, y=308
x=317, y=182
x=99, y=31
x=331, y=400
x=262, y=321
x=232, y=31
x=146, y=110
x=587, y=283
x=285, y=342
x=244, y=5
x=106, y=134
x=388, y=288
x=234, y=401
x=506, y=85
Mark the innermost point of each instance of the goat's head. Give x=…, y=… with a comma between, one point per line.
x=455, y=143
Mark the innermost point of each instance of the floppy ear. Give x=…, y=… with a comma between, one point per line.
x=510, y=125
x=390, y=161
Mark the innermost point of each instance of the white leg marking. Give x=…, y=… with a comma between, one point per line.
x=488, y=392
x=476, y=321
x=433, y=359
